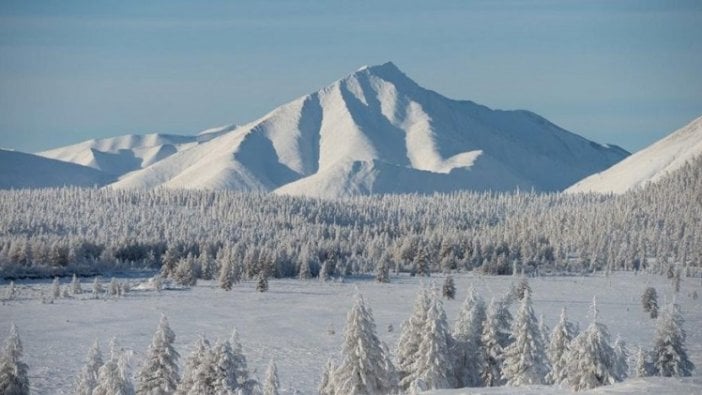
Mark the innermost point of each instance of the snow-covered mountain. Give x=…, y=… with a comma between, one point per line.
x=22, y=170
x=122, y=154
x=648, y=165
x=377, y=131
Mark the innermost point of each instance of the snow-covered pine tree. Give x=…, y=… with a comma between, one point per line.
x=410, y=337
x=421, y=262
x=113, y=288
x=262, y=281
x=184, y=272
x=449, y=288
x=240, y=367
x=326, y=384
x=11, y=292
x=591, y=361
x=621, y=355
x=159, y=375
x=204, y=378
x=525, y=360
x=559, y=348
x=324, y=272
x=434, y=364
x=365, y=368
x=271, y=385
x=304, y=272
x=13, y=372
x=97, y=288
x=467, y=331
x=544, y=329
x=75, y=286
x=226, y=271
x=382, y=270
x=642, y=368
x=113, y=376
x=649, y=300
x=492, y=352
x=88, y=377
x=56, y=288
x=198, y=355
x=225, y=379
x=669, y=354
x=521, y=287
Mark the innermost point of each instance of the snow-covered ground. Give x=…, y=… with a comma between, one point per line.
x=291, y=322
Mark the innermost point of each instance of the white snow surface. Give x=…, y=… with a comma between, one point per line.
x=377, y=131
x=648, y=165
x=23, y=170
x=290, y=322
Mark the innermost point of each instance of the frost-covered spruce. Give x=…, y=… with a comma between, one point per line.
x=113, y=376
x=305, y=272
x=262, y=281
x=97, y=288
x=521, y=288
x=88, y=376
x=448, y=290
x=382, y=270
x=324, y=272
x=591, y=361
x=56, y=288
x=434, y=364
x=193, y=363
x=621, y=354
x=642, y=368
x=113, y=288
x=227, y=277
x=492, y=352
x=525, y=360
x=184, y=272
x=239, y=367
x=365, y=367
x=11, y=292
x=326, y=384
x=467, y=331
x=410, y=337
x=159, y=375
x=13, y=372
x=649, y=300
x=271, y=384
x=75, y=286
x=669, y=354
x=559, y=348
x=544, y=329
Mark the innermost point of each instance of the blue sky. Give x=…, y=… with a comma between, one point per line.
x=616, y=72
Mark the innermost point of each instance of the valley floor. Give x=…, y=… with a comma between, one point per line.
x=291, y=322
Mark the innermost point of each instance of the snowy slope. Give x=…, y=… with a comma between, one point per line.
x=22, y=170
x=649, y=164
x=122, y=154
x=378, y=131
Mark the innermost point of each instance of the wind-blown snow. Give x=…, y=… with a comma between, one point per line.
x=648, y=165
x=23, y=170
x=378, y=131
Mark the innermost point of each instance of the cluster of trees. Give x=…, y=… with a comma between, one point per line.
x=490, y=347
x=209, y=369
x=74, y=289
x=654, y=228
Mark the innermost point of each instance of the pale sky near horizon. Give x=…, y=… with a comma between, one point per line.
x=622, y=72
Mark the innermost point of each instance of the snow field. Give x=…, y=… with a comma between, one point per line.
x=291, y=322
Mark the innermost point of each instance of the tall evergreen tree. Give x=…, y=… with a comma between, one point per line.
x=525, y=360
x=113, y=376
x=591, y=361
x=467, y=331
x=491, y=339
x=449, y=288
x=559, y=348
x=88, y=377
x=326, y=384
x=75, y=286
x=365, y=367
x=410, y=337
x=198, y=356
x=669, y=354
x=159, y=375
x=13, y=372
x=434, y=365
x=621, y=356
x=271, y=384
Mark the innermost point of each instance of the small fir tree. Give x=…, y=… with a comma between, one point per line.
x=56, y=288
x=13, y=372
x=365, y=367
x=271, y=384
x=75, y=286
x=492, y=351
x=525, y=361
x=467, y=345
x=649, y=300
x=669, y=353
x=262, y=282
x=97, y=288
x=193, y=363
x=88, y=377
x=559, y=348
x=159, y=375
x=410, y=337
x=449, y=288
